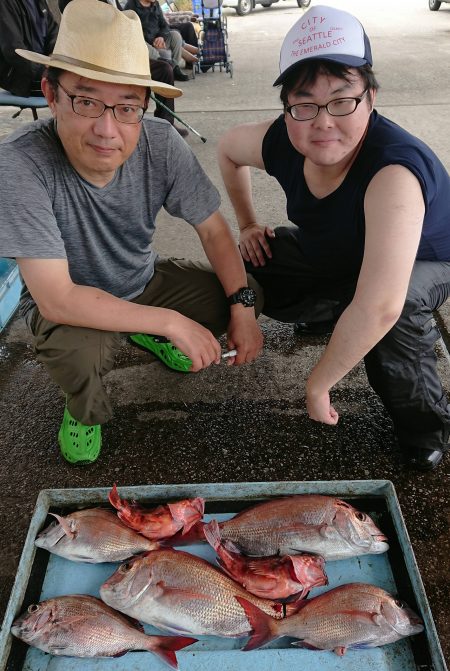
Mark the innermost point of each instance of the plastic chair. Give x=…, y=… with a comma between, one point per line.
x=33, y=103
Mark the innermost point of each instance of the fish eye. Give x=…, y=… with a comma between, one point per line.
x=33, y=608
x=361, y=516
x=126, y=567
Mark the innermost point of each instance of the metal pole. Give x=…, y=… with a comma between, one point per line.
x=158, y=102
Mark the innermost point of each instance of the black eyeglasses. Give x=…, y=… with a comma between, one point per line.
x=336, y=107
x=92, y=108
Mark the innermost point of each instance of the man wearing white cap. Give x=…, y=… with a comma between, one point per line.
x=368, y=257
x=96, y=175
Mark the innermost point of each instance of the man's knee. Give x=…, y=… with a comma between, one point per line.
x=175, y=39
x=73, y=354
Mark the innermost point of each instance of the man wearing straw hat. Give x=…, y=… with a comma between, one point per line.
x=96, y=175
x=368, y=257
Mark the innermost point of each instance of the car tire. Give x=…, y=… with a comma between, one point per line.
x=244, y=7
x=434, y=5
x=306, y=3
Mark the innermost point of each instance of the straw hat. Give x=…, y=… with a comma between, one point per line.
x=97, y=41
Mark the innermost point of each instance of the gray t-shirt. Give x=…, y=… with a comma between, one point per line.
x=48, y=211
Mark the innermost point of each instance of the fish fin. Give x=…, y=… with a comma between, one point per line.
x=165, y=646
x=255, y=567
x=296, y=605
x=186, y=593
x=327, y=531
x=212, y=533
x=114, y=498
x=68, y=526
x=222, y=565
x=262, y=625
x=363, y=645
x=231, y=547
x=305, y=645
x=194, y=535
x=340, y=650
x=302, y=595
x=192, y=516
x=134, y=623
x=364, y=617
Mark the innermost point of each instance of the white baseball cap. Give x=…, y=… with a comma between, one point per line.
x=324, y=33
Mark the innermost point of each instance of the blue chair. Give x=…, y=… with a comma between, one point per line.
x=33, y=103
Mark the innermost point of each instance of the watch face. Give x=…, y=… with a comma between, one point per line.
x=247, y=297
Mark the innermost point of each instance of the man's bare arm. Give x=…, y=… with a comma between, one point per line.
x=239, y=149
x=394, y=211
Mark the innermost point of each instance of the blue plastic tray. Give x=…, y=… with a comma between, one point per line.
x=42, y=575
x=10, y=288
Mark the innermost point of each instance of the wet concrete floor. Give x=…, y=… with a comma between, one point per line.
x=249, y=424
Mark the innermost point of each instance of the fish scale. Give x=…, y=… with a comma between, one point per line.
x=304, y=523
x=343, y=616
x=83, y=626
x=184, y=594
x=97, y=536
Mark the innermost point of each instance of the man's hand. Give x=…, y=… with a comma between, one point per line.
x=254, y=245
x=244, y=335
x=159, y=43
x=319, y=407
x=195, y=341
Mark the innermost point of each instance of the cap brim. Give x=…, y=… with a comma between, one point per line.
x=351, y=61
x=165, y=90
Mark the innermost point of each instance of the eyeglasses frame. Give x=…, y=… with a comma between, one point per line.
x=105, y=106
x=357, y=99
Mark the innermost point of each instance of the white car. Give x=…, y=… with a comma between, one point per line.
x=244, y=7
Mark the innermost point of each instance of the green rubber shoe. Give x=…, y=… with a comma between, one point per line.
x=164, y=350
x=79, y=444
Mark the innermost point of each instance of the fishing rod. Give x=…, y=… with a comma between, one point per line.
x=158, y=102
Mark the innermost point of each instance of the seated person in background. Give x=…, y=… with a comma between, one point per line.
x=157, y=33
x=97, y=174
x=161, y=70
x=24, y=24
x=183, y=22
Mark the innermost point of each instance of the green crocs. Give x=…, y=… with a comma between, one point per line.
x=80, y=444
x=163, y=348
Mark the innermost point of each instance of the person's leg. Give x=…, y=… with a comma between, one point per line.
x=174, y=43
x=293, y=290
x=162, y=71
x=193, y=289
x=77, y=359
x=401, y=368
x=187, y=32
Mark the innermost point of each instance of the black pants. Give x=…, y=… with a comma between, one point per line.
x=162, y=71
x=187, y=31
x=401, y=368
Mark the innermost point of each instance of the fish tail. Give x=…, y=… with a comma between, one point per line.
x=165, y=647
x=264, y=628
x=212, y=534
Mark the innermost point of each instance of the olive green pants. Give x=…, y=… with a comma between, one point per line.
x=77, y=358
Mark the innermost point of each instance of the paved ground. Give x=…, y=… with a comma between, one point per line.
x=227, y=425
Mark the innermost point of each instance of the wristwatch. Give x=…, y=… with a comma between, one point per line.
x=245, y=295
